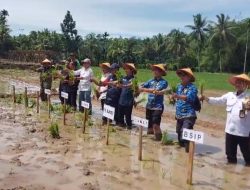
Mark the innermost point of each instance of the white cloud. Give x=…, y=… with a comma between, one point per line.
x=125, y=17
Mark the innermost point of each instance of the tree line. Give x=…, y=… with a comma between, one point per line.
x=214, y=46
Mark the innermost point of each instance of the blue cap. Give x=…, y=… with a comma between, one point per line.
x=115, y=66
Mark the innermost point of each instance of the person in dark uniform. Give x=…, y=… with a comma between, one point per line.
x=113, y=91
x=69, y=84
x=126, y=100
x=45, y=77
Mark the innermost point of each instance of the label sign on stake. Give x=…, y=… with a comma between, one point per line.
x=47, y=91
x=65, y=95
x=108, y=112
x=194, y=136
x=85, y=104
x=140, y=121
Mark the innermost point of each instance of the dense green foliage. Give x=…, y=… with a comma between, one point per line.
x=219, y=46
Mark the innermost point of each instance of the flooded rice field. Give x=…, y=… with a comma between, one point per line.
x=31, y=159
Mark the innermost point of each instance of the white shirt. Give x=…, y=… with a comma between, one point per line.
x=87, y=74
x=103, y=89
x=234, y=124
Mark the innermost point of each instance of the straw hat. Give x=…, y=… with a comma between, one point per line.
x=130, y=66
x=187, y=71
x=107, y=65
x=87, y=60
x=46, y=61
x=162, y=67
x=242, y=77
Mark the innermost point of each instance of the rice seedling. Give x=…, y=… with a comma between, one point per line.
x=135, y=87
x=54, y=130
x=119, y=76
x=19, y=98
x=31, y=103
x=173, y=89
x=166, y=140
x=71, y=77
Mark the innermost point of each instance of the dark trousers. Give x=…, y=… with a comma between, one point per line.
x=102, y=103
x=184, y=123
x=232, y=142
x=127, y=112
x=72, y=98
x=44, y=85
x=153, y=117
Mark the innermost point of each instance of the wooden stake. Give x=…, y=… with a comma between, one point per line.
x=140, y=144
x=84, y=120
x=14, y=94
x=190, y=162
x=64, y=112
x=107, y=137
x=25, y=98
x=37, y=101
x=48, y=104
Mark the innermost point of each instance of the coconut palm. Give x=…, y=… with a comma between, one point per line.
x=222, y=31
x=245, y=58
x=198, y=33
x=177, y=44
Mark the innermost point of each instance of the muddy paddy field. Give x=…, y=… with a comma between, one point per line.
x=31, y=159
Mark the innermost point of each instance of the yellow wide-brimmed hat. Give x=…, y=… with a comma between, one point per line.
x=187, y=71
x=107, y=65
x=242, y=77
x=162, y=67
x=46, y=61
x=130, y=66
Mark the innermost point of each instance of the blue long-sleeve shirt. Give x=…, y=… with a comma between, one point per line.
x=185, y=109
x=155, y=102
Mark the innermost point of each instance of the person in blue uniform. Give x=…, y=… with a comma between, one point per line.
x=185, y=98
x=155, y=106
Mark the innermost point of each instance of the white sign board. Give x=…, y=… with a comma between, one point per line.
x=108, y=112
x=191, y=135
x=65, y=95
x=140, y=121
x=47, y=91
x=85, y=104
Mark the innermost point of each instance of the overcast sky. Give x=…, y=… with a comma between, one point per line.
x=127, y=18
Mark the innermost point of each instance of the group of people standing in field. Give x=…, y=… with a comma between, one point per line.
x=120, y=92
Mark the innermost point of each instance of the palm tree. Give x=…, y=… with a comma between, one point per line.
x=245, y=59
x=177, y=44
x=222, y=31
x=199, y=34
x=116, y=50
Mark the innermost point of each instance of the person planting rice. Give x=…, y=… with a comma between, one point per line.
x=102, y=90
x=85, y=76
x=186, y=104
x=69, y=84
x=45, y=77
x=238, y=118
x=154, y=108
x=113, y=92
x=126, y=100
